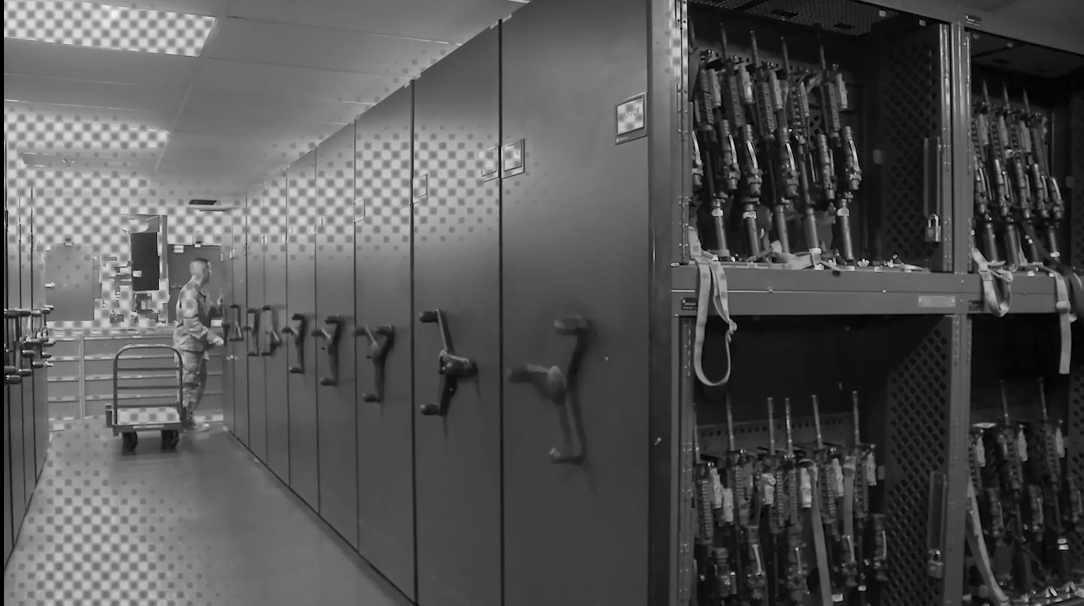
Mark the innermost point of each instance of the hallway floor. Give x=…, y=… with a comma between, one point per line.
x=207, y=525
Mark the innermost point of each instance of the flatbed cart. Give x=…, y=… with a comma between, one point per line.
x=128, y=420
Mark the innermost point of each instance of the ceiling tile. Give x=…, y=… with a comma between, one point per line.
x=86, y=64
x=302, y=46
x=265, y=79
x=284, y=107
x=92, y=95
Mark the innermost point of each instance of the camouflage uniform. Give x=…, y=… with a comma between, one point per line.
x=192, y=338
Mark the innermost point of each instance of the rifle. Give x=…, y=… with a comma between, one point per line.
x=753, y=582
x=797, y=496
x=775, y=498
x=775, y=137
x=705, y=104
x=738, y=88
x=983, y=218
x=1019, y=179
x=1052, y=444
x=859, y=464
x=1012, y=472
x=1051, y=206
x=798, y=97
x=996, y=170
x=841, y=186
x=844, y=568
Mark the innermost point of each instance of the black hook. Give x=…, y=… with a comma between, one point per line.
x=331, y=342
x=556, y=385
x=380, y=343
x=450, y=366
x=253, y=329
x=298, y=322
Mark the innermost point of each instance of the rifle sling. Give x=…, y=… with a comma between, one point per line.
x=977, y=542
x=820, y=547
x=713, y=290
x=997, y=296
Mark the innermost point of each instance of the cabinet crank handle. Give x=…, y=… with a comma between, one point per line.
x=451, y=367
x=380, y=343
x=330, y=333
x=296, y=329
x=273, y=340
x=253, y=328
x=557, y=385
x=236, y=331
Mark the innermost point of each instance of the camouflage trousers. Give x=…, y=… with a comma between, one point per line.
x=193, y=378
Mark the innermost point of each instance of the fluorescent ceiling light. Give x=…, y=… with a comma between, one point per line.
x=108, y=27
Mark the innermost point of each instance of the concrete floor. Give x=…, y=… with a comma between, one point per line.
x=207, y=525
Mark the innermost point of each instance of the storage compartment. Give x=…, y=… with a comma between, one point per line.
x=1025, y=461
x=883, y=388
x=845, y=107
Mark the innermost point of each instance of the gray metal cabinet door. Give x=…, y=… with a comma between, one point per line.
x=224, y=276
x=70, y=272
x=301, y=303
x=337, y=414
x=13, y=421
x=382, y=285
x=575, y=243
x=8, y=535
x=278, y=409
x=239, y=349
x=457, y=271
x=257, y=386
x=26, y=301
x=41, y=376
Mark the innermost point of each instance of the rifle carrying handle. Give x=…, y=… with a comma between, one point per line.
x=381, y=341
x=558, y=385
x=450, y=367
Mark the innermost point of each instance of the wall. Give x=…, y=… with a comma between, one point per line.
x=85, y=179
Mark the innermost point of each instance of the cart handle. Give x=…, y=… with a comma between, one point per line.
x=128, y=348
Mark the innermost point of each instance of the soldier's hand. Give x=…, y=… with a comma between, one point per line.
x=216, y=341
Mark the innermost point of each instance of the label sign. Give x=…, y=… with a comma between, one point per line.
x=631, y=118
x=938, y=301
x=688, y=304
x=512, y=160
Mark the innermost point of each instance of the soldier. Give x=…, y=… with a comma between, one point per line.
x=193, y=337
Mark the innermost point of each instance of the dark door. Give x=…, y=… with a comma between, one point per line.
x=14, y=411
x=69, y=278
x=178, y=258
x=386, y=420
x=257, y=388
x=576, y=229
x=457, y=271
x=335, y=362
x=238, y=343
x=275, y=318
x=301, y=303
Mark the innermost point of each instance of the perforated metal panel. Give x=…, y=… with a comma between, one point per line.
x=1076, y=381
x=916, y=445
x=840, y=16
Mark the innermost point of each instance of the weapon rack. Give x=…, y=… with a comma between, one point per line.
x=918, y=346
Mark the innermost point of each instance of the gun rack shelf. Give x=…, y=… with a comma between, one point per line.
x=779, y=292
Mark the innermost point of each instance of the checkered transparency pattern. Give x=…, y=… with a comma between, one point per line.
x=454, y=207
x=109, y=27
x=916, y=446
x=335, y=195
x=382, y=211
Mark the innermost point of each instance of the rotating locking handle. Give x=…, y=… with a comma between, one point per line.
x=557, y=385
x=236, y=331
x=272, y=336
x=451, y=367
x=296, y=329
x=330, y=333
x=380, y=343
x=254, y=329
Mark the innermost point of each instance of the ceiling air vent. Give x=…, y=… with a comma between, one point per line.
x=202, y=202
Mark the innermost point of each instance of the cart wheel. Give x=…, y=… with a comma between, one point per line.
x=130, y=440
x=170, y=437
